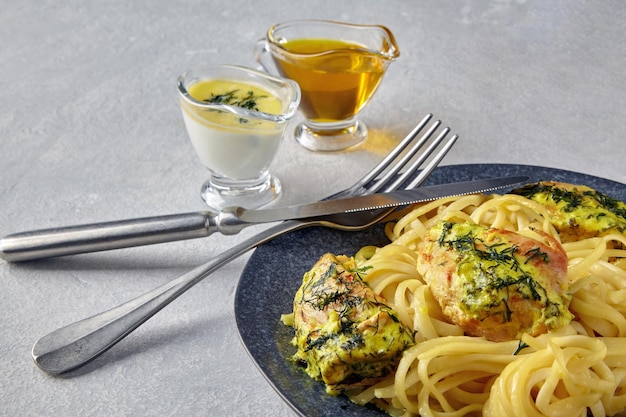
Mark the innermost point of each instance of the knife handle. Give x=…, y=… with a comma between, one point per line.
x=72, y=240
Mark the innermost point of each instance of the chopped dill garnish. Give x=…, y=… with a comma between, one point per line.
x=249, y=101
x=536, y=253
x=520, y=346
x=359, y=271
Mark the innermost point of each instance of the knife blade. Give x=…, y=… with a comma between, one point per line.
x=72, y=240
x=370, y=202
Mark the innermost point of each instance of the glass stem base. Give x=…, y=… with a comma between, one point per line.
x=218, y=195
x=329, y=137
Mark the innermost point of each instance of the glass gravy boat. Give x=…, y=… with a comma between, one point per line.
x=235, y=137
x=338, y=67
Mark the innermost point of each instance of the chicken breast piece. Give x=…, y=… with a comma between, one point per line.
x=577, y=211
x=496, y=283
x=344, y=331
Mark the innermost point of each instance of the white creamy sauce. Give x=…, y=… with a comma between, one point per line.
x=232, y=147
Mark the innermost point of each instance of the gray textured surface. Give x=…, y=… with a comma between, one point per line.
x=90, y=130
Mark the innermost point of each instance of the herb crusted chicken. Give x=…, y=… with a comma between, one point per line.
x=496, y=283
x=577, y=211
x=344, y=332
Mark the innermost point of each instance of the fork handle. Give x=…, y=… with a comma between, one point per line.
x=74, y=345
x=72, y=240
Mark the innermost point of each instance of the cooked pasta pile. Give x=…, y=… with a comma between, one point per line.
x=573, y=371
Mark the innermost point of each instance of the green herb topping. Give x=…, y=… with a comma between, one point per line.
x=249, y=101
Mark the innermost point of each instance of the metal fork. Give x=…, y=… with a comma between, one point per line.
x=74, y=345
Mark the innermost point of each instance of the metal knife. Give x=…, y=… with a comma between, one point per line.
x=71, y=240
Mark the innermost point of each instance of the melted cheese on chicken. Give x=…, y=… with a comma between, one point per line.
x=577, y=211
x=344, y=331
x=496, y=283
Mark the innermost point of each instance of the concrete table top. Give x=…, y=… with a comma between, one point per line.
x=91, y=130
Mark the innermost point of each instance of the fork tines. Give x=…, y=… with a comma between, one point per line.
x=398, y=169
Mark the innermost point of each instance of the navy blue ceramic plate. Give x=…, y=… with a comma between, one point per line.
x=274, y=273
